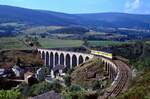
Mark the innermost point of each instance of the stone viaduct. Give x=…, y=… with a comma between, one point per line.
x=118, y=72
x=68, y=59
x=71, y=59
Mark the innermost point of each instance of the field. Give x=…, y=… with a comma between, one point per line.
x=105, y=43
x=41, y=29
x=11, y=43
x=14, y=43
x=55, y=43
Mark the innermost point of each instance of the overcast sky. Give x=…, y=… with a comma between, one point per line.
x=84, y=6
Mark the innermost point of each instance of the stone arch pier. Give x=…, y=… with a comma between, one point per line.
x=67, y=58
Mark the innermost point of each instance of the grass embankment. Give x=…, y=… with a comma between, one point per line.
x=11, y=43
x=86, y=74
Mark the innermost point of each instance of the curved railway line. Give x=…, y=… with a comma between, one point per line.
x=121, y=81
x=121, y=84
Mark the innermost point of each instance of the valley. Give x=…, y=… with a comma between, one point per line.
x=56, y=55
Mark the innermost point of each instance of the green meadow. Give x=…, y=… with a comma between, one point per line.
x=105, y=43
x=11, y=43
x=56, y=43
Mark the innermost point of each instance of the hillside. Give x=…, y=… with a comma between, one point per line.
x=27, y=58
x=34, y=17
x=88, y=73
x=40, y=17
x=117, y=20
x=138, y=54
x=140, y=88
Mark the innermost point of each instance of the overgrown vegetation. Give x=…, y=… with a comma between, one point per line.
x=44, y=87
x=9, y=58
x=140, y=88
x=74, y=92
x=89, y=73
x=139, y=55
x=10, y=94
x=40, y=88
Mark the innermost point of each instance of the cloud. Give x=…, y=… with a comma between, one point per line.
x=132, y=5
x=137, y=6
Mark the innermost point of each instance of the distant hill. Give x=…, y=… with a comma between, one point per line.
x=40, y=17
x=122, y=20
x=35, y=17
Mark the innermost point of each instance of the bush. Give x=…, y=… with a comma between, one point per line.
x=74, y=92
x=140, y=89
x=137, y=93
x=142, y=64
x=10, y=94
x=67, y=80
x=75, y=88
x=97, y=85
x=44, y=87
x=69, y=71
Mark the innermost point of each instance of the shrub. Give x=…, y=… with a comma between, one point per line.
x=67, y=80
x=74, y=92
x=44, y=87
x=75, y=88
x=10, y=94
x=97, y=85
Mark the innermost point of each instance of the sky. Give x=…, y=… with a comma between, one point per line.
x=84, y=6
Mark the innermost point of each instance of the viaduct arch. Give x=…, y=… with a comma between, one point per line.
x=68, y=59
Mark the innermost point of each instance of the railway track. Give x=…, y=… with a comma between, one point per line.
x=121, y=83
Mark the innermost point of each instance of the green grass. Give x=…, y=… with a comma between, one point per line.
x=7, y=43
x=41, y=29
x=105, y=43
x=14, y=43
x=56, y=43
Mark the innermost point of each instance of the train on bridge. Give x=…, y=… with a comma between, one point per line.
x=102, y=54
